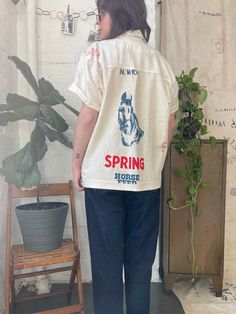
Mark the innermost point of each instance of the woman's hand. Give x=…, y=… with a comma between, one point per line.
x=77, y=179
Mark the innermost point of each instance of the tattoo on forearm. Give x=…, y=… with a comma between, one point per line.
x=77, y=156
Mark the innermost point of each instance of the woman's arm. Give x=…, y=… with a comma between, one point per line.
x=84, y=128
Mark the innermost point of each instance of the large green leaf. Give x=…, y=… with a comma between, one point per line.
x=53, y=135
x=28, y=75
x=4, y=107
x=51, y=117
x=38, y=143
x=16, y=167
x=21, y=161
x=32, y=178
x=6, y=117
x=16, y=178
x=23, y=180
x=22, y=106
x=50, y=95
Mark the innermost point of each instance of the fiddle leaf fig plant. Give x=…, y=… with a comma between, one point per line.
x=21, y=168
x=189, y=134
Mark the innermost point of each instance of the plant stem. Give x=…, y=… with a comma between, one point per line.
x=192, y=241
x=71, y=109
x=177, y=208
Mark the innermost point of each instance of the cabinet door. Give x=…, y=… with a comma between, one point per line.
x=209, y=225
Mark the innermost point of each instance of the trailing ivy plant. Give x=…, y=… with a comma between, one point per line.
x=21, y=168
x=189, y=134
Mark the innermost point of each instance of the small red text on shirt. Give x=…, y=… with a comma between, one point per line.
x=94, y=52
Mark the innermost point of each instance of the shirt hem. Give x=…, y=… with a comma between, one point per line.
x=121, y=187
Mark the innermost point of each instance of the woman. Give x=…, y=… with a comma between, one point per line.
x=129, y=95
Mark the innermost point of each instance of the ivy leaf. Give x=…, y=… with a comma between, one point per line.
x=187, y=81
x=206, y=185
x=182, y=173
x=198, y=162
x=189, y=202
x=190, y=154
x=192, y=72
x=191, y=86
x=181, y=146
x=192, y=190
x=203, y=130
x=23, y=107
x=213, y=141
x=202, y=96
x=27, y=73
x=196, y=174
x=195, y=142
x=198, y=114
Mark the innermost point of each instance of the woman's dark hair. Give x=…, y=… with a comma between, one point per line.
x=126, y=15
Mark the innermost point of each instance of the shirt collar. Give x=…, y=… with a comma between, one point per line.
x=136, y=33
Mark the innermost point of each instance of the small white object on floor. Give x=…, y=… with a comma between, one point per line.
x=43, y=285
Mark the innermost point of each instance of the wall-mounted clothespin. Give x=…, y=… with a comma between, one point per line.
x=68, y=25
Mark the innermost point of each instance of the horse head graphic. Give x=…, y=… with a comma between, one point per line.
x=129, y=127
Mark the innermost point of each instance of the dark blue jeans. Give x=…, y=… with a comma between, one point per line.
x=123, y=229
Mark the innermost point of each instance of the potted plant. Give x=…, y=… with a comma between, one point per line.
x=21, y=168
x=193, y=193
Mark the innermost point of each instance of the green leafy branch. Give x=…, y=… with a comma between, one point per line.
x=21, y=168
x=189, y=132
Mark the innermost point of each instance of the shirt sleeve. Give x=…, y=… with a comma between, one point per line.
x=88, y=79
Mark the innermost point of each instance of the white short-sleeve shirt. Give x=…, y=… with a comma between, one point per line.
x=134, y=90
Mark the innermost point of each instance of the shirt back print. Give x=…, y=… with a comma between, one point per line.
x=134, y=90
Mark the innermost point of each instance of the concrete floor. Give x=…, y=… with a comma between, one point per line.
x=161, y=302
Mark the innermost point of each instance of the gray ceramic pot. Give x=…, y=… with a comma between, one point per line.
x=42, y=225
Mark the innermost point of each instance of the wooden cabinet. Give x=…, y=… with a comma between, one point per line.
x=209, y=225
